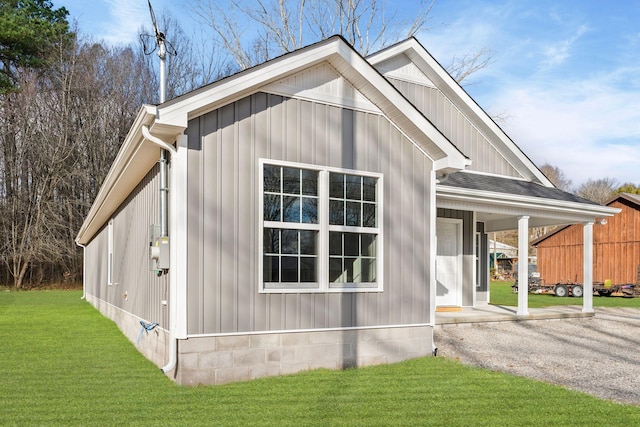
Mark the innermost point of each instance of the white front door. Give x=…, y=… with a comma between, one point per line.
x=449, y=262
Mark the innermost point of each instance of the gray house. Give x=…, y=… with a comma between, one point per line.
x=313, y=211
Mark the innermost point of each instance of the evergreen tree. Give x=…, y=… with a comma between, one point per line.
x=30, y=32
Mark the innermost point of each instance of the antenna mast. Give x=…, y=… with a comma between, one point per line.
x=161, y=41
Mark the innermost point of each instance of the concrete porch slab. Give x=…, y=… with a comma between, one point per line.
x=499, y=313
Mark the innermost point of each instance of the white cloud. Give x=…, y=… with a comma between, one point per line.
x=571, y=98
x=589, y=129
x=556, y=53
x=126, y=18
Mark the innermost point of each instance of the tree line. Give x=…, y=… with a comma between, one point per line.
x=600, y=190
x=67, y=101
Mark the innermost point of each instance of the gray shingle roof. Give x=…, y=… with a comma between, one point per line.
x=517, y=187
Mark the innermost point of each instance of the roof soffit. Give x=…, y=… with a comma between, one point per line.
x=134, y=160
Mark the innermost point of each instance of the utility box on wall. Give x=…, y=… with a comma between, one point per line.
x=158, y=249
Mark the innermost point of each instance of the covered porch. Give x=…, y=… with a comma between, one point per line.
x=491, y=204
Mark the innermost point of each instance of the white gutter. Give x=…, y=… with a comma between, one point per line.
x=147, y=135
x=515, y=201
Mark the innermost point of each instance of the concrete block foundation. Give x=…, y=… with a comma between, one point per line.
x=225, y=359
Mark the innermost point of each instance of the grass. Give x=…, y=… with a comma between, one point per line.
x=62, y=363
x=502, y=294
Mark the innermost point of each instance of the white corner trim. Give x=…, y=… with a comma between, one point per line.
x=178, y=273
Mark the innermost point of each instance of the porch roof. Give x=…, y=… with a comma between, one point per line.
x=499, y=201
x=511, y=186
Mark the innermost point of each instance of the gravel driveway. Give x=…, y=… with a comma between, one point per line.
x=599, y=355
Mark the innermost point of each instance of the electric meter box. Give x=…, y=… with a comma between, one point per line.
x=158, y=249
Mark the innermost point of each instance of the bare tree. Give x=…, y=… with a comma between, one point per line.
x=190, y=64
x=598, y=190
x=59, y=133
x=461, y=67
x=286, y=25
x=556, y=176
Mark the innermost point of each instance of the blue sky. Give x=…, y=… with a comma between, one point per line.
x=565, y=75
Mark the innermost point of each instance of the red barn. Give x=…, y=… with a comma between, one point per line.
x=616, y=247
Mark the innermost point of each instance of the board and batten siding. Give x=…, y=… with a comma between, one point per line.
x=616, y=249
x=136, y=289
x=225, y=146
x=456, y=127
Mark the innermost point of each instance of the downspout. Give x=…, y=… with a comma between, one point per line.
x=164, y=221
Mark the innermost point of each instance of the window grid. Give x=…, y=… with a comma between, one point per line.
x=290, y=257
x=331, y=205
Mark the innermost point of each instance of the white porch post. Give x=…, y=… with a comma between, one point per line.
x=523, y=266
x=587, y=285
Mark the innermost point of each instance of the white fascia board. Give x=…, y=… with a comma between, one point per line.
x=346, y=61
x=178, y=112
x=579, y=211
x=444, y=82
x=398, y=109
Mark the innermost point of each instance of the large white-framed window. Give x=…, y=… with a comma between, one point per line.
x=110, y=280
x=320, y=228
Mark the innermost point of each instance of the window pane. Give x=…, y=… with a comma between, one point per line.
x=336, y=185
x=308, y=242
x=309, y=182
x=272, y=178
x=348, y=270
x=353, y=214
x=271, y=270
x=289, y=269
x=335, y=243
x=360, y=270
x=354, y=188
x=368, y=189
x=335, y=271
x=291, y=180
x=336, y=212
x=271, y=241
x=289, y=242
x=351, y=244
x=368, y=215
x=290, y=209
x=271, y=208
x=309, y=210
x=308, y=269
x=368, y=270
x=368, y=245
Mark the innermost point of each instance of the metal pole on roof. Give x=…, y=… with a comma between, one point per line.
x=161, y=41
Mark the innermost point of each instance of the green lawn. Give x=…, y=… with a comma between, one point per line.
x=502, y=294
x=62, y=363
